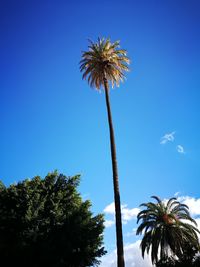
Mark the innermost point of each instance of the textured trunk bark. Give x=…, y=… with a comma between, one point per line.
x=119, y=236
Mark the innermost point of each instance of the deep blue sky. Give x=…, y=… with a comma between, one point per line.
x=51, y=119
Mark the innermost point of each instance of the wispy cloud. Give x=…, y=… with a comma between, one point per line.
x=177, y=194
x=168, y=137
x=132, y=233
x=110, y=209
x=109, y=223
x=127, y=214
x=180, y=149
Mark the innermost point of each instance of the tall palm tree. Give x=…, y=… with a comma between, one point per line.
x=103, y=64
x=168, y=228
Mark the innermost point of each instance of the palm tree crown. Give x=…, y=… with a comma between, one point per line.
x=166, y=229
x=104, y=60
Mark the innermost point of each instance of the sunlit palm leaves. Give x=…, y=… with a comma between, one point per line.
x=104, y=60
x=166, y=229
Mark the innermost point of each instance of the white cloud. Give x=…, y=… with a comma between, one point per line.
x=132, y=255
x=132, y=233
x=168, y=137
x=127, y=214
x=110, y=209
x=180, y=149
x=109, y=223
x=130, y=214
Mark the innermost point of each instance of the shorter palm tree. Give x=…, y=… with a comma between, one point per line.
x=167, y=227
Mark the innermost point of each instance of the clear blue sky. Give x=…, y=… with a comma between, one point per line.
x=51, y=119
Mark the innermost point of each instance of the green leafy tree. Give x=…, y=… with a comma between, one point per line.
x=44, y=222
x=167, y=227
x=196, y=261
x=106, y=63
x=166, y=262
x=189, y=258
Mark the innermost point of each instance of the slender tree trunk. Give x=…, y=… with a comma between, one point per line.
x=118, y=219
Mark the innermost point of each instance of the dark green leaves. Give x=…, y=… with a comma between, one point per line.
x=165, y=228
x=44, y=222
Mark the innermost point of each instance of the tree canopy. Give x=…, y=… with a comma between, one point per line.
x=45, y=222
x=168, y=230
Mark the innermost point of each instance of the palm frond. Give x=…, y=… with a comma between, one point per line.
x=165, y=229
x=171, y=202
x=157, y=198
x=104, y=60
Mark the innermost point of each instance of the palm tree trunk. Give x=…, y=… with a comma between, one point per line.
x=118, y=219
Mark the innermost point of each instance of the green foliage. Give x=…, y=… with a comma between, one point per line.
x=44, y=222
x=167, y=232
x=191, y=260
